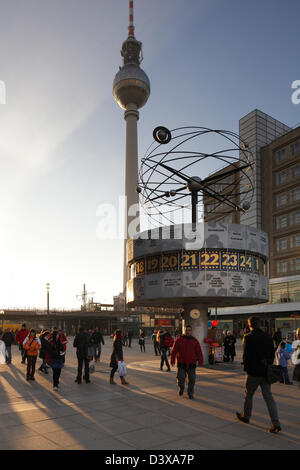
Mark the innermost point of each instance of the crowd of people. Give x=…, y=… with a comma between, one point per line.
x=260, y=351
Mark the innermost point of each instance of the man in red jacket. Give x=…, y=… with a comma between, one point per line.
x=188, y=351
x=20, y=337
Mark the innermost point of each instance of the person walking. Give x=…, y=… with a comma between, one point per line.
x=258, y=353
x=281, y=359
x=8, y=338
x=64, y=342
x=45, y=347
x=20, y=337
x=81, y=343
x=142, y=340
x=277, y=338
x=32, y=345
x=296, y=357
x=229, y=347
x=98, y=340
x=130, y=335
x=56, y=363
x=2, y=351
x=116, y=356
x=155, y=343
x=188, y=351
x=165, y=343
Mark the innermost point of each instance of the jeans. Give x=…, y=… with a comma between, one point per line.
x=164, y=358
x=285, y=375
x=97, y=351
x=56, y=375
x=31, y=361
x=252, y=384
x=8, y=354
x=182, y=372
x=23, y=353
x=156, y=348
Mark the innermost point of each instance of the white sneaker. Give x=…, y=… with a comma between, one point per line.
x=55, y=389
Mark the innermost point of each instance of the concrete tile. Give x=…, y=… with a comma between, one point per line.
x=179, y=444
x=16, y=432
x=31, y=443
x=145, y=438
x=148, y=419
x=74, y=436
x=102, y=444
x=51, y=425
x=116, y=426
x=217, y=440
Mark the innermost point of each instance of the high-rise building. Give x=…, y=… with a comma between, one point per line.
x=131, y=90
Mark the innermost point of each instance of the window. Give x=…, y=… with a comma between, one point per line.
x=280, y=156
x=281, y=177
x=295, y=264
x=281, y=222
x=295, y=148
x=295, y=171
x=281, y=244
x=295, y=241
x=295, y=218
x=282, y=267
x=295, y=195
x=281, y=199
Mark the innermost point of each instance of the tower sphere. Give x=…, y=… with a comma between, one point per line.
x=131, y=85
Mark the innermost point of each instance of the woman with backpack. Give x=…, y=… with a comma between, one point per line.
x=56, y=362
x=32, y=345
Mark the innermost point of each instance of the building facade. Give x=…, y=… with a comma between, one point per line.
x=276, y=210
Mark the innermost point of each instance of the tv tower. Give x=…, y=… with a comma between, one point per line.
x=131, y=90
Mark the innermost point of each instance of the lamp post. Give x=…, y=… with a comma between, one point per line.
x=48, y=311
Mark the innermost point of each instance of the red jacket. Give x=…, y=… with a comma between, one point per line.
x=187, y=350
x=21, y=335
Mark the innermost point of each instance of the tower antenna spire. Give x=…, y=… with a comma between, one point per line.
x=131, y=25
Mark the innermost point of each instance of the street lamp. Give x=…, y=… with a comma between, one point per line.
x=48, y=311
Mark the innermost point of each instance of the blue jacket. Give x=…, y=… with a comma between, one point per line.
x=282, y=356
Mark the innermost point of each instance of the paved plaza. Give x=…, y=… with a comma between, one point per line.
x=146, y=414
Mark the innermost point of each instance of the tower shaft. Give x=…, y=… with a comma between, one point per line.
x=131, y=117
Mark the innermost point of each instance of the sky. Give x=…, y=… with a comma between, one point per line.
x=62, y=135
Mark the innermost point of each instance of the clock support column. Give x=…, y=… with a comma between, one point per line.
x=199, y=326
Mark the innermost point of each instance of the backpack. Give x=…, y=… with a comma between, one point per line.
x=168, y=341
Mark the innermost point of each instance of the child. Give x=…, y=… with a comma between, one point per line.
x=281, y=357
x=32, y=345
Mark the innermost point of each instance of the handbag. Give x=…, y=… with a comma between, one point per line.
x=122, y=369
x=274, y=373
x=92, y=367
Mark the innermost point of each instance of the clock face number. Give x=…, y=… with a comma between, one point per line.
x=189, y=260
x=140, y=267
x=153, y=264
x=210, y=260
x=229, y=261
x=169, y=262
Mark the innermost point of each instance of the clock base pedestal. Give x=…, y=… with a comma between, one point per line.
x=199, y=326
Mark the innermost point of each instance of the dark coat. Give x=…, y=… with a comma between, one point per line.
x=55, y=348
x=45, y=347
x=97, y=338
x=258, y=352
x=8, y=338
x=229, y=345
x=82, y=342
x=277, y=337
x=117, y=353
